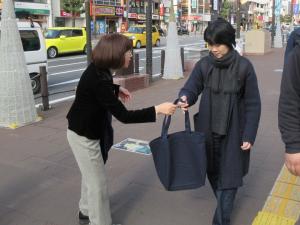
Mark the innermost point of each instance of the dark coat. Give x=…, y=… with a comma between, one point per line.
x=244, y=118
x=289, y=102
x=294, y=39
x=96, y=99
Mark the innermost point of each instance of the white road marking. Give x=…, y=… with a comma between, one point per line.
x=278, y=70
x=69, y=64
x=63, y=59
x=69, y=71
x=66, y=82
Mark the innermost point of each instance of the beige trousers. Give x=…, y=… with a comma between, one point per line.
x=94, y=200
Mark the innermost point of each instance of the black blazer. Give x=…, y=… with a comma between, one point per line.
x=96, y=99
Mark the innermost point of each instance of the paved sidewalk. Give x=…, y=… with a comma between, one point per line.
x=40, y=181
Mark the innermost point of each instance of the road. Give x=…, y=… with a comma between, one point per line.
x=64, y=72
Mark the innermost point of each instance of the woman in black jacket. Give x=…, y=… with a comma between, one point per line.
x=229, y=113
x=90, y=133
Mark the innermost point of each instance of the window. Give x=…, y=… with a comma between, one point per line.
x=30, y=40
x=67, y=33
x=77, y=33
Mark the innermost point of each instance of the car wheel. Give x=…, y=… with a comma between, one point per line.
x=138, y=44
x=35, y=83
x=157, y=43
x=52, y=52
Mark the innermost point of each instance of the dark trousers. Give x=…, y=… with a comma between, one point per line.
x=225, y=197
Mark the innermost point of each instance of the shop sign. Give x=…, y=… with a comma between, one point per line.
x=119, y=11
x=155, y=17
x=192, y=18
x=65, y=14
x=132, y=15
x=32, y=8
x=141, y=17
x=104, y=11
x=161, y=10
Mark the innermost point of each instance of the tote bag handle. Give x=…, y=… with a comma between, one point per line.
x=167, y=122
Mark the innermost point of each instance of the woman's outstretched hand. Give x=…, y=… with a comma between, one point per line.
x=124, y=94
x=182, y=103
x=166, y=108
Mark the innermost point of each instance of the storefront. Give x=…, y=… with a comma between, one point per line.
x=108, y=19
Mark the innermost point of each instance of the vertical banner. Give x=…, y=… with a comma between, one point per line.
x=101, y=26
x=194, y=4
x=277, y=7
x=296, y=9
x=216, y=5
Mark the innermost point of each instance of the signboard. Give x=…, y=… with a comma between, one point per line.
x=132, y=15
x=192, y=18
x=100, y=26
x=32, y=8
x=141, y=17
x=65, y=14
x=104, y=11
x=133, y=145
x=215, y=5
x=119, y=11
x=296, y=9
x=155, y=17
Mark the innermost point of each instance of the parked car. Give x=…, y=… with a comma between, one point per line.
x=138, y=35
x=34, y=50
x=61, y=40
x=182, y=30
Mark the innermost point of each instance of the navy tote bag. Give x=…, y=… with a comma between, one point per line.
x=179, y=158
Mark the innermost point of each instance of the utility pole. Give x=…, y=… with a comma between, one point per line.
x=238, y=19
x=88, y=32
x=149, y=38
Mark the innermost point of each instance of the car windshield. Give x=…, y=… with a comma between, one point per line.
x=52, y=34
x=136, y=30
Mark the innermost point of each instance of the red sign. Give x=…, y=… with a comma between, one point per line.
x=132, y=15
x=198, y=18
x=104, y=11
x=65, y=14
x=161, y=10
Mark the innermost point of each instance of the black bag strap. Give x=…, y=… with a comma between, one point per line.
x=167, y=122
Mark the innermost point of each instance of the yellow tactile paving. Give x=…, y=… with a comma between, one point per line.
x=282, y=207
x=286, y=177
x=266, y=218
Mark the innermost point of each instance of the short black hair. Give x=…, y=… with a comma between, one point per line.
x=220, y=31
x=110, y=51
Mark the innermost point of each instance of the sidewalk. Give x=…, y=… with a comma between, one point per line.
x=40, y=181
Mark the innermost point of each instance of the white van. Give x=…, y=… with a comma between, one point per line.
x=35, y=51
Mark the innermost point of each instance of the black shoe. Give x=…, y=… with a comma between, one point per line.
x=83, y=219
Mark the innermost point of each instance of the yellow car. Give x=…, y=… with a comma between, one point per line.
x=61, y=40
x=137, y=34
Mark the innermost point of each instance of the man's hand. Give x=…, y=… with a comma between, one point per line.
x=246, y=146
x=292, y=162
x=124, y=94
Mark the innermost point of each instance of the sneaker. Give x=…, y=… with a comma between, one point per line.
x=83, y=219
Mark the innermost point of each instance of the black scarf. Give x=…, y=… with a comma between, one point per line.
x=224, y=83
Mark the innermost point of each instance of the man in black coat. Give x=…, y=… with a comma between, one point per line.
x=289, y=106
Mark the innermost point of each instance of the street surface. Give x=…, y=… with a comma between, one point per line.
x=64, y=72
